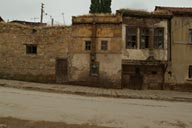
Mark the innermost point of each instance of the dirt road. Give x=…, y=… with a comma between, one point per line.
x=109, y=112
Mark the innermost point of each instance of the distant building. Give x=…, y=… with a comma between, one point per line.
x=28, y=23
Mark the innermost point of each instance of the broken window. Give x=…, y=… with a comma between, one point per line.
x=158, y=38
x=190, y=71
x=144, y=42
x=87, y=45
x=94, y=69
x=104, y=45
x=131, y=38
x=31, y=49
x=190, y=36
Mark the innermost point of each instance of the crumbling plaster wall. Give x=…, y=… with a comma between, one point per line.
x=181, y=50
x=109, y=61
x=143, y=54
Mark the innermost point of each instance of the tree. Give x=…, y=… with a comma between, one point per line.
x=106, y=6
x=95, y=6
x=100, y=6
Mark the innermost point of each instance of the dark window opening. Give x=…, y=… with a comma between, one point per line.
x=31, y=49
x=131, y=38
x=94, y=69
x=87, y=45
x=190, y=71
x=158, y=38
x=34, y=31
x=190, y=36
x=144, y=42
x=104, y=45
x=154, y=72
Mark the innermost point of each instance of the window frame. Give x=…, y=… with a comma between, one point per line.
x=158, y=37
x=31, y=49
x=104, y=45
x=190, y=36
x=87, y=46
x=96, y=72
x=146, y=37
x=131, y=38
x=190, y=72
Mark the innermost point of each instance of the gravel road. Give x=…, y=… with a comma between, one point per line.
x=109, y=112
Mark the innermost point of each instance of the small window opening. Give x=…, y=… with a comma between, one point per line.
x=190, y=36
x=190, y=71
x=87, y=45
x=31, y=49
x=104, y=45
x=94, y=69
x=154, y=72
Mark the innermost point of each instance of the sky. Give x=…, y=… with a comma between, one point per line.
x=63, y=10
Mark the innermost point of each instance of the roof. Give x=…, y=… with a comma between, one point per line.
x=175, y=10
x=143, y=13
x=97, y=18
x=1, y=19
x=28, y=23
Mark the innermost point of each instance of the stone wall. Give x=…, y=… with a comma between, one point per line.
x=52, y=43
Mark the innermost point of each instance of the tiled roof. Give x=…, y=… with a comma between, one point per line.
x=175, y=10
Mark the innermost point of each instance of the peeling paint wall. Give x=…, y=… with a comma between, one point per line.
x=181, y=51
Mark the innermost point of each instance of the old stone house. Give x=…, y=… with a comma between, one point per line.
x=129, y=49
x=180, y=68
x=145, y=49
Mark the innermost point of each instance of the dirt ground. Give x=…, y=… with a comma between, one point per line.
x=17, y=123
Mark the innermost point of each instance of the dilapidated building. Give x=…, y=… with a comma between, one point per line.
x=130, y=49
x=180, y=68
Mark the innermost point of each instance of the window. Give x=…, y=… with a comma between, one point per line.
x=94, y=69
x=104, y=45
x=131, y=38
x=31, y=49
x=190, y=71
x=158, y=38
x=87, y=45
x=190, y=36
x=144, y=42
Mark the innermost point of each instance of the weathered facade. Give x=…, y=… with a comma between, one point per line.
x=29, y=53
x=131, y=49
x=180, y=68
x=145, y=49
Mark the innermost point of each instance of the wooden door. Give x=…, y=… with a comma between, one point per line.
x=61, y=70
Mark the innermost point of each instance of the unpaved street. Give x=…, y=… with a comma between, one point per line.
x=72, y=109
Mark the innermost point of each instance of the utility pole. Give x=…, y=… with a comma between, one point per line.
x=42, y=11
x=63, y=18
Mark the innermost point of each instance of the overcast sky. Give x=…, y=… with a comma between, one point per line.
x=29, y=10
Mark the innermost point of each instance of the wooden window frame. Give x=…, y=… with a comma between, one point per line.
x=158, y=38
x=87, y=45
x=144, y=38
x=31, y=49
x=104, y=45
x=131, y=37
